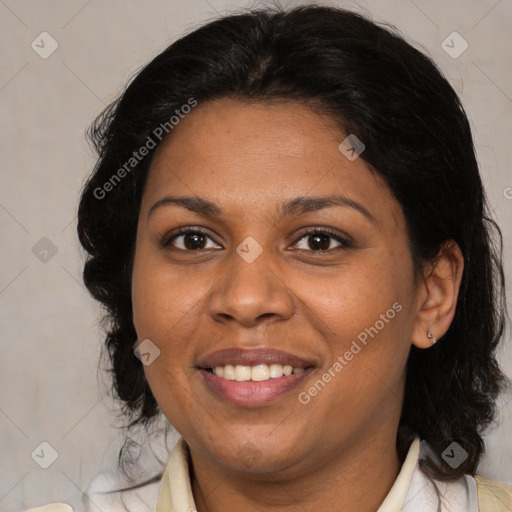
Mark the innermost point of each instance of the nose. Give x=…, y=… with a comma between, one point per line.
x=250, y=293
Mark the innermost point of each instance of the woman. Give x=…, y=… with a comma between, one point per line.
x=287, y=224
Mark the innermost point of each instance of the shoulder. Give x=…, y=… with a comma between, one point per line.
x=426, y=493
x=52, y=507
x=466, y=493
x=103, y=493
x=109, y=494
x=493, y=496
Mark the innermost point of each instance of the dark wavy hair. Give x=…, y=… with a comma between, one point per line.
x=417, y=137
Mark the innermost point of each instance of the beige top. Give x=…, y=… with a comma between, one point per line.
x=175, y=492
x=412, y=491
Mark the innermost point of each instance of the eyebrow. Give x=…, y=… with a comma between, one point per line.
x=297, y=206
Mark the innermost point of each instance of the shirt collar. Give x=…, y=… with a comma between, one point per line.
x=176, y=475
x=396, y=495
x=175, y=493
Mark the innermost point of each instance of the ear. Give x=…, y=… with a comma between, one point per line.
x=437, y=295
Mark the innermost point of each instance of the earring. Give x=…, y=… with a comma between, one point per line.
x=431, y=337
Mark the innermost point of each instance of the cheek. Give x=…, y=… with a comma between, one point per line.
x=170, y=387
x=369, y=349
x=163, y=300
x=353, y=298
x=365, y=313
x=166, y=307
x=166, y=313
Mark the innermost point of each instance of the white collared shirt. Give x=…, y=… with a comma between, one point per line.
x=412, y=490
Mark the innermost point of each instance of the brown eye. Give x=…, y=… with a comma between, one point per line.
x=192, y=240
x=321, y=241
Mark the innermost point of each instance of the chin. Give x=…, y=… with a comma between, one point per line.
x=262, y=455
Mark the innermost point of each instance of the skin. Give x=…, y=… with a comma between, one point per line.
x=248, y=159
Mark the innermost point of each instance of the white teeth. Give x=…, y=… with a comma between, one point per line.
x=256, y=373
x=242, y=373
x=229, y=372
x=260, y=372
x=276, y=371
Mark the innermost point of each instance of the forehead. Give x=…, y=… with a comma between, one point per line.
x=226, y=129
x=261, y=153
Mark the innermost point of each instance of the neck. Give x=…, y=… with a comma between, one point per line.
x=356, y=479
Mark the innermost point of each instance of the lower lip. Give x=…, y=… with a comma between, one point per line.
x=254, y=394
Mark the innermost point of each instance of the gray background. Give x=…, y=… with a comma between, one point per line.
x=51, y=338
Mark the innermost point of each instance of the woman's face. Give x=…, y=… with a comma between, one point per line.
x=293, y=247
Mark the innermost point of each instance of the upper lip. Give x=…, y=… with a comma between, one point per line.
x=252, y=357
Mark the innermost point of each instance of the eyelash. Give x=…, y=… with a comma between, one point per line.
x=345, y=243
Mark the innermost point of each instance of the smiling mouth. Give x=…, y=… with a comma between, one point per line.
x=247, y=392
x=253, y=377
x=257, y=373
